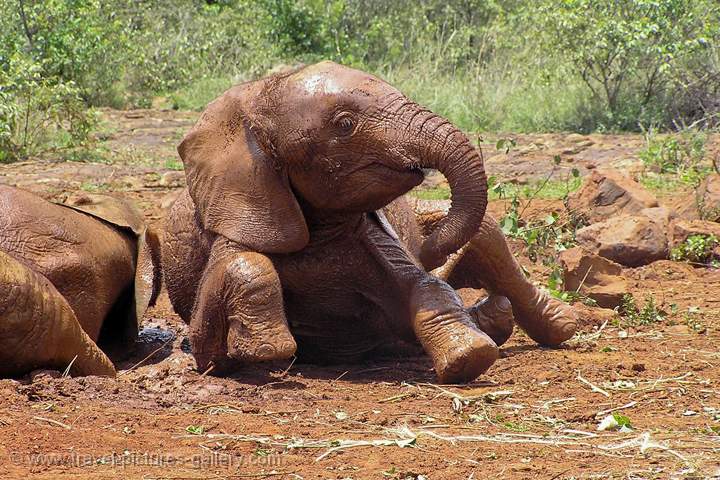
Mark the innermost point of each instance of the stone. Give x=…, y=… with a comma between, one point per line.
x=591, y=318
x=661, y=215
x=593, y=276
x=172, y=179
x=704, y=202
x=631, y=240
x=680, y=230
x=606, y=193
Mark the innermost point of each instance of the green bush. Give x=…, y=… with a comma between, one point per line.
x=37, y=113
x=697, y=249
x=499, y=65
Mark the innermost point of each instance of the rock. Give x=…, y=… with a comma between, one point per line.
x=680, y=230
x=606, y=193
x=630, y=166
x=172, y=179
x=590, y=318
x=43, y=374
x=630, y=240
x=596, y=277
x=131, y=183
x=662, y=216
x=704, y=202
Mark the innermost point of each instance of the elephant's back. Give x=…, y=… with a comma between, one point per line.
x=185, y=253
x=88, y=261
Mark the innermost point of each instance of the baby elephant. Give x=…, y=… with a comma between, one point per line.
x=284, y=239
x=71, y=277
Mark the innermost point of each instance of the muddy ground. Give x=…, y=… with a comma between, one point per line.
x=535, y=414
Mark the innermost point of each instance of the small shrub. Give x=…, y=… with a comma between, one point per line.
x=697, y=249
x=649, y=314
x=675, y=153
x=37, y=113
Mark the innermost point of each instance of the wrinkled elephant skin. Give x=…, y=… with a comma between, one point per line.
x=72, y=277
x=280, y=243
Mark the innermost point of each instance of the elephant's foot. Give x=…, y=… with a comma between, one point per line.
x=255, y=344
x=494, y=316
x=545, y=319
x=244, y=346
x=460, y=351
x=239, y=316
x=469, y=358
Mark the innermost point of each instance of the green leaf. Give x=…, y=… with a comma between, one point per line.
x=195, y=429
x=622, y=420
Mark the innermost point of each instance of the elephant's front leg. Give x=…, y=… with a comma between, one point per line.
x=460, y=351
x=488, y=262
x=239, y=315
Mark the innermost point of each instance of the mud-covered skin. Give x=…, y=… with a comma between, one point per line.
x=488, y=263
x=67, y=276
x=279, y=239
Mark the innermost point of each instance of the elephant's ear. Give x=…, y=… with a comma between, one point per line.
x=116, y=211
x=123, y=321
x=240, y=191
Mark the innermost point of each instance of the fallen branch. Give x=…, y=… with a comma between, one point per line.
x=592, y=386
x=610, y=410
x=54, y=422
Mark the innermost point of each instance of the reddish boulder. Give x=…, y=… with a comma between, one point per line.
x=593, y=276
x=680, y=230
x=607, y=193
x=630, y=240
x=704, y=202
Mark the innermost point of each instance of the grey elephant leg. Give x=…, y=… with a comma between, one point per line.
x=239, y=315
x=489, y=263
x=39, y=329
x=460, y=351
x=494, y=316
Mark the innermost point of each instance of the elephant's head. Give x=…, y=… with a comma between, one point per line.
x=330, y=138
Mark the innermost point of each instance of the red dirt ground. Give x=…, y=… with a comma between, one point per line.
x=535, y=414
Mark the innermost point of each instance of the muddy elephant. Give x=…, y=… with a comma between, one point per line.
x=73, y=278
x=287, y=237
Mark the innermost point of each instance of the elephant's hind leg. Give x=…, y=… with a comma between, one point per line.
x=239, y=315
x=39, y=329
x=494, y=316
x=489, y=263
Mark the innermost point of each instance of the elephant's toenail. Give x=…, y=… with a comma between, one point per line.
x=265, y=351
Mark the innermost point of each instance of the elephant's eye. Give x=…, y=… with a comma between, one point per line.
x=344, y=123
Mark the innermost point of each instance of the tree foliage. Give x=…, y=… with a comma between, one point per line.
x=487, y=64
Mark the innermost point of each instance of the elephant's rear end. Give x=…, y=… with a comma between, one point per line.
x=184, y=255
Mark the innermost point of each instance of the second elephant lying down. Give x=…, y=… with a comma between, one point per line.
x=286, y=237
x=71, y=277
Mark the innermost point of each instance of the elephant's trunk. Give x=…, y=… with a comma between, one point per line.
x=438, y=144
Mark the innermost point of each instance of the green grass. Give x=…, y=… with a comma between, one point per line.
x=673, y=182
x=437, y=193
x=198, y=94
x=173, y=164
x=495, y=97
x=552, y=190
x=93, y=187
